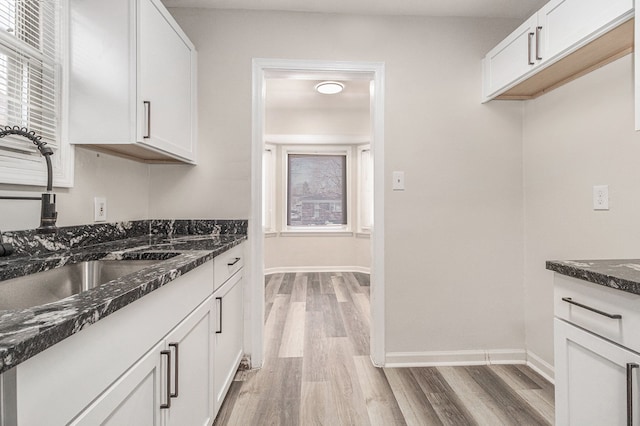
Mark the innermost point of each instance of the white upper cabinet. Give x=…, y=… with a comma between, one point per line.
x=565, y=23
x=132, y=81
x=510, y=59
x=575, y=35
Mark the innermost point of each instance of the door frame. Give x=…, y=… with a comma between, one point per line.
x=254, y=290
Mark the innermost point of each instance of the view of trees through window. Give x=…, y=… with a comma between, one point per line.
x=317, y=191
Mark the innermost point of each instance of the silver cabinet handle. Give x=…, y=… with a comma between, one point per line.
x=219, y=331
x=589, y=308
x=538, y=30
x=168, y=404
x=630, y=367
x=147, y=108
x=531, y=35
x=177, y=374
x=236, y=260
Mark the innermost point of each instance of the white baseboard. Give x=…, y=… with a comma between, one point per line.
x=540, y=366
x=453, y=358
x=477, y=357
x=294, y=269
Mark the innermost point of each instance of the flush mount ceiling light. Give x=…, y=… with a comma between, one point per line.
x=329, y=87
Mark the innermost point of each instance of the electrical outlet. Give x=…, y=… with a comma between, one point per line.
x=100, y=209
x=601, y=197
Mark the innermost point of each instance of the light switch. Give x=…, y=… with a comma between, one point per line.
x=398, y=181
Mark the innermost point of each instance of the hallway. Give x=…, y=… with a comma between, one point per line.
x=317, y=370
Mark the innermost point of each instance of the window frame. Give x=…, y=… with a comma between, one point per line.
x=269, y=202
x=345, y=150
x=361, y=226
x=21, y=169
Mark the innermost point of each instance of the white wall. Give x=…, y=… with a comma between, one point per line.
x=454, y=247
x=317, y=122
x=123, y=182
x=575, y=137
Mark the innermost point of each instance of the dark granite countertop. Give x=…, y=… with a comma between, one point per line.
x=620, y=274
x=179, y=246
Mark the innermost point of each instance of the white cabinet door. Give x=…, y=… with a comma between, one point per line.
x=565, y=23
x=591, y=379
x=511, y=59
x=191, y=344
x=166, y=99
x=134, y=399
x=228, y=335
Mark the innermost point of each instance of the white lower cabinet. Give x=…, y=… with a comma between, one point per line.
x=190, y=346
x=170, y=385
x=597, y=362
x=114, y=370
x=127, y=402
x=595, y=379
x=228, y=335
x=167, y=359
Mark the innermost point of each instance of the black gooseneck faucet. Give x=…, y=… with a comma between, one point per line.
x=48, y=214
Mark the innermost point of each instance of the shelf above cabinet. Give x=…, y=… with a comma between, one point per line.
x=611, y=46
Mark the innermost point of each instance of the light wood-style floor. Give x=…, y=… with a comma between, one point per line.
x=317, y=370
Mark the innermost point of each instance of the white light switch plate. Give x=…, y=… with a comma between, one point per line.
x=601, y=197
x=398, y=181
x=100, y=209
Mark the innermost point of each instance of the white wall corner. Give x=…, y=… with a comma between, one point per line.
x=540, y=366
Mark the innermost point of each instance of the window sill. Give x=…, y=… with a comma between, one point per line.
x=270, y=234
x=365, y=234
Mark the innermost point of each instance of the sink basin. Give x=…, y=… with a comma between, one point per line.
x=56, y=284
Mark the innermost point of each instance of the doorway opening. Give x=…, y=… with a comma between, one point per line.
x=324, y=210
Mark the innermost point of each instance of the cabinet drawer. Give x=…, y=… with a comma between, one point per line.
x=604, y=299
x=227, y=264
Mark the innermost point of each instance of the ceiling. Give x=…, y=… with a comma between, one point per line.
x=297, y=91
x=464, y=8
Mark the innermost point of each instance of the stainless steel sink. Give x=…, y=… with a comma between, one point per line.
x=56, y=284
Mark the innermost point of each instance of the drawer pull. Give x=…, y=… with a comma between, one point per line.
x=168, y=404
x=630, y=367
x=147, y=108
x=589, y=308
x=531, y=35
x=538, y=57
x=219, y=331
x=236, y=260
x=177, y=374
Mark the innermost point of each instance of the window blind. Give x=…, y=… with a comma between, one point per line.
x=29, y=71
